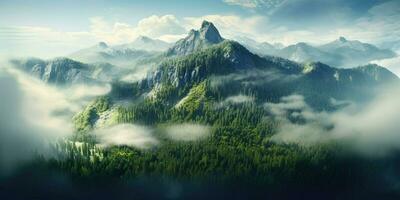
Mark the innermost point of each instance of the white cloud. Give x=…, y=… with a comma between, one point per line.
x=27, y=119
x=265, y=4
x=379, y=25
x=111, y=33
x=34, y=114
x=372, y=129
x=188, y=132
x=231, y=26
x=243, y=3
x=261, y=29
x=153, y=26
x=157, y=26
x=41, y=41
x=292, y=102
x=81, y=92
x=330, y=21
x=127, y=134
x=294, y=107
x=172, y=38
x=46, y=42
x=237, y=99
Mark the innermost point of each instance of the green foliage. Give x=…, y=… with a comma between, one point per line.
x=147, y=112
x=85, y=120
x=224, y=160
x=194, y=102
x=240, y=146
x=167, y=93
x=196, y=67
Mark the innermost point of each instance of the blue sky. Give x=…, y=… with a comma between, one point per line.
x=47, y=28
x=73, y=15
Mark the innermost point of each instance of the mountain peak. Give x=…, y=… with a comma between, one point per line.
x=342, y=39
x=302, y=44
x=102, y=45
x=143, y=38
x=206, y=23
x=209, y=32
x=208, y=35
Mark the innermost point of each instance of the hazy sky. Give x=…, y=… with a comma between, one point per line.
x=48, y=28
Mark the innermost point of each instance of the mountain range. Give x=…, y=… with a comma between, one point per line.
x=65, y=71
x=341, y=52
x=228, y=67
x=124, y=54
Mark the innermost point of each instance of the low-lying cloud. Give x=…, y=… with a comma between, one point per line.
x=235, y=100
x=188, y=132
x=127, y=135
x=27, y=122
x=254, y=77
x=373, y=129
x=34, y=114
x=239, y=99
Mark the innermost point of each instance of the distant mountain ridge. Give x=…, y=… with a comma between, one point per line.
x=205, y=57
x=261, y=48
x=339, y=53
x=65, y=71
x=267, y=77
x=355, y=52
x=142, y=48
x=145, y=43
x=303, y=52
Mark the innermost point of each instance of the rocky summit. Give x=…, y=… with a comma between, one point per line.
x=207, y=36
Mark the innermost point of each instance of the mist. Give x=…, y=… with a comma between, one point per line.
x=25, y=128
x=371, y=128
x=34, y=115
x=126, y=135
x=240, y=98
x=252, y=77
x=188, y=132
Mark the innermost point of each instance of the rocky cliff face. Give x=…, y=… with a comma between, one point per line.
x=226, y=57
x=194, y=62
x=64, y=71
x=207, y=36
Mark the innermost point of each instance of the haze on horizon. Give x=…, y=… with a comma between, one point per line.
x=45, y=28
x=199, y=100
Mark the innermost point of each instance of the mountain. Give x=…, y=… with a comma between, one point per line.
x=226, y=91
x=65, y=71
x=104, y=53
x=341, y=53
x=229, y=68
x=302, y=52
x=355, y=53
x=234, y=69
x=205, y=57
x=196, y=40
x=263, y=48
x=143, y=48
x=392, y=45
x=228, y=56
x=146, y=44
